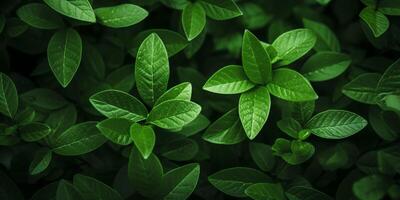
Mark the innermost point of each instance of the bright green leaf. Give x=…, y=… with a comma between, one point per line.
x=120, y=16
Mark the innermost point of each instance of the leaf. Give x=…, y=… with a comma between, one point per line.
x=363, y=88
x=300, y=111
x=376, y=21
x=391, y=78
x=290, y=126
x=324, y=66
x=121, y=78
x=182, y=91
x=76, y=9
x=262, y=155
x=225, y=130
x=119, y=16
x=266, y=191
x=306, y=193
x=372, y=187
x=289, y=85
x=197, y=125
x=64, y=53
x=180, y=182
x=79, y=139
x=293, y=44
x=230, y=79
x=255, y=59
x=34, y=131
x=234, y=181
x=335, y=124
x=9, y=190
x=326, y=38
x=173, y=114
x=193, y=20
x=42, y=98
x=116, y=129
x=254, y=107
x=144, y=138
x=389, y=7
x=221, y=9
x=118, y=104
x=92, y=189
x=180, y=150
x=151, y=69
x=40, y=161
x=66, y=191
x=145, y=174
x=8, y=96
x=61, y=120
x=175, y=4
x=40, y=16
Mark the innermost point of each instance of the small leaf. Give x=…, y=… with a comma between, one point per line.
x=372, y=187
x=34, y=131
x=182, y=91
x=116, y=129
x=67, y=191
x=90, y=188
x=180, y=150
x=335, y=124
x=301, y=192
x=64, y=54
x=266, y=191
x=40, y=161
x=290, y=126
x=144, y=138
x=228, y=80
x=77, y=9
x=40, y=16
x=120, y=16
x=193, y=20
x=151, y=69
x=289, y=85
x=8, y=96
x=254, y=107
x=376, y=21
x=363, y=88
x=391, y=78
x=262, y=155
x=221, y=9
x=327, y=40
x=42, y=98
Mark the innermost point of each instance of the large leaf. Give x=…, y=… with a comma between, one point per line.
x=173, y=114
x=254, y=107
x=376, y=21
x=363, y=88
x=119, y=16
x=324, y=66
x=182, y=91
x=116, y=129
x=40, y=16
x=266, y=191
x=180, y=182
x=327, y=40
x=225, y=130
x=221, y=9
x=118, y=104
x=151, y=69
x=64, y=54
x=289, y=85
x=335, y=124
x=92, y=189
x=79, y=139
x=144, y=138
x=390, y=80
x=8, y=96
x=77, y=9
x=228, y=80
x=193, y=20
x=234, y=181
x=292, y=45
x=255, y=59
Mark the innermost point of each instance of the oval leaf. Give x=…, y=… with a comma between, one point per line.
x=144, y=138
x=116, y=129
x=119, y=16
x=77, y=9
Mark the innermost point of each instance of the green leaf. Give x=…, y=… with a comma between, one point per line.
x=290, y=126
x=40, y=161
x=92, y=189
x=300, y=111
x=293, y=44
x=234, y=181
x=391, y=78
x=254, y=107
x=294, y=152
x=79, y=139
x=42, y=98
x=151, y=69
x=335, y=124
x=193, y=20
x=230, y=79
x=383, y=123
x=120, y=16
x=145, y=174
x=306, y=193
x=290, y=85
x=255, y=59
x=173, y=114
x=266, y=191
x=180, y=150
x=116, y=129
x=372, y=187
x=225, y=130
x=118, y=104
x=324, y=66
x=121, y=78
x=8, y=96
x=67, y=191
x=64, y=54
x=389, y=7
x=376, y=21
x=363, y=88
x=327, y=40
x=262, y=156
x=182, y=91
x=34, y=131
x=221, y=9
x=76, y=9
x=40, y=16
x=62, y=119
x=176, y=4
x=197, y=125
x=144, y=138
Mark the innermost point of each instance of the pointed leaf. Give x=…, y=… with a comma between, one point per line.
x=182, y=91
x=363, y=88
x=221, y=9
x=77, y=9
x=376, y=21
x=120, y=16
x=8, y=96
x=34, y=131
x=144, y=138
x=193, y=20
x=327, y=40
x=40, y=161
x=40, y=16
